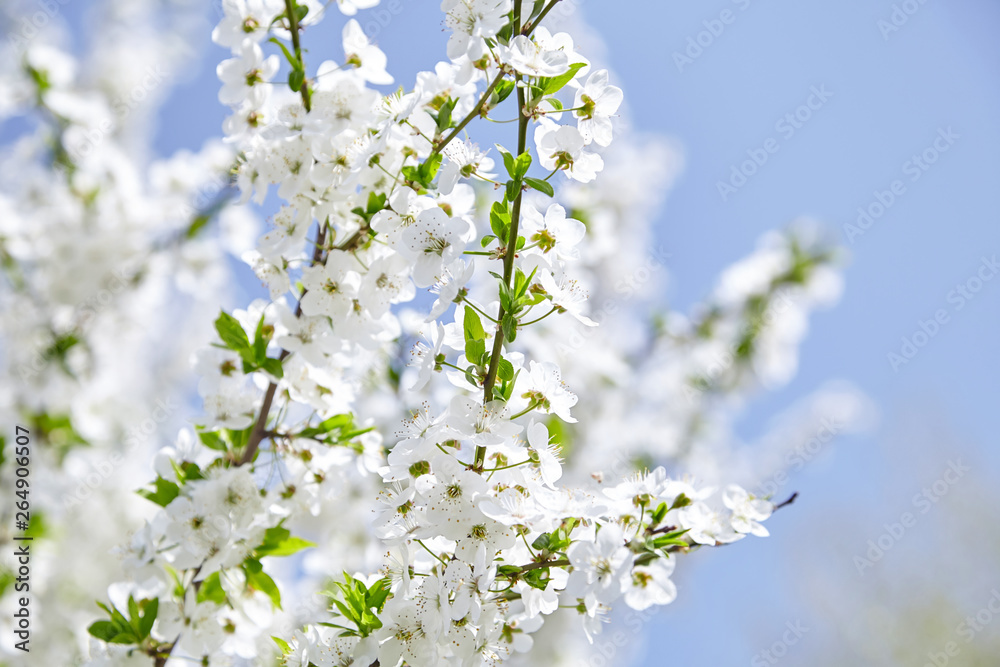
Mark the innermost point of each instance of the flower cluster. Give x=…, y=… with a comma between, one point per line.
x=483, y=542
x=431, y=416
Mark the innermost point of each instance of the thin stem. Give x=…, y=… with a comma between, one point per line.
x=421, y=543
x=530, y=550
x=293, y=27
x=472, y=114
x=419, y=132
x=487, y=180
x=513, y=465
x=791, y=499
x=480, y=311
x=508, y=262
x=532, y=406
x=531, y=25
x=524, y=324
x=438, y=445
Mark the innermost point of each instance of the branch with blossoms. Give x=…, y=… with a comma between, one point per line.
x=482, y=543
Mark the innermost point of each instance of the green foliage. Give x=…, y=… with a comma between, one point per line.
x=297, y=75
x=475, y=339
x=376, y=203
x=423, y=174
x=500, y=221
x=261, y=581
x=359, y=604
x=443, y=116
x=278, y=541
x=131, y=630
x=552, y=85
x=557, y=541
x=542, y=186
x=57, y=431
x=336, y=430
x=211, y=590
x=162, y=493
x=501, y=92
x=254, y=355
x=6, y=579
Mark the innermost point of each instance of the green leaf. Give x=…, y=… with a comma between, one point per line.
x=521, y=166
x=522, y=282
x=231, y=332
x=473, y=325
x=196, y=226
x=150, y=609
x=680, y=501
x=133, y=613
x=658, y=514
x=335, y=423
x=509, y=327
x=475, y=351
x=163, y=492
x=378, y=594
x=503, y=90
x=282, y=644
x=485, y=242
x=500, y=221
x=376, y=202
x=279, y=542
x=211, y=590
x=260, y=580
x=103, y=630
x=296, y=79
x=537, y=578
x=274, y=367
x=506, y=370
x=555, y=84
x=444, y=115
x=540, y=185
x=512, y=190
x=541, y=542
x=508, y=161
x=212, y=440
x=187, y=470
x=429, y=168
x=292, y=60
x=260, y=342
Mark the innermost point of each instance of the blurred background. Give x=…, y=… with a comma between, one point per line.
x=878, y=119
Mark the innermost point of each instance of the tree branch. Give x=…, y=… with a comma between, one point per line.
x=476, y=110
x=260, y=427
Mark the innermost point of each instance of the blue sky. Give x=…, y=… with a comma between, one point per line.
x=891, y=92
